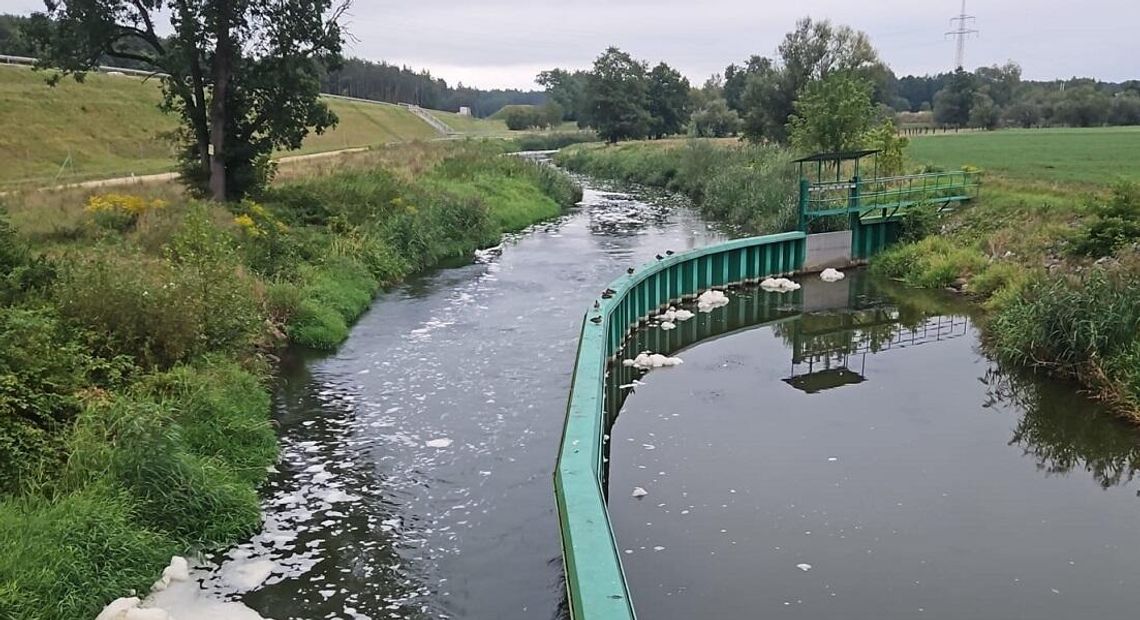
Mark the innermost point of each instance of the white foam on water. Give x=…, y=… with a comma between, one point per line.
x=831, y=275
x=779, y=285
x=711, y=300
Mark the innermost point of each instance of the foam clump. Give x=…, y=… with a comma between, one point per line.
x=673, y=315
x=831, y=275
x=128, y=609
x=179, y=570
x=639, y=492
x=646, y=361
x=711, y=300
x=176, y=597
x=779, y=285
x=668, y=325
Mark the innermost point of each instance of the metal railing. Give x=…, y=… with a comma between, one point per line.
x=24, y=60
x=862, y=196
x=596, y=587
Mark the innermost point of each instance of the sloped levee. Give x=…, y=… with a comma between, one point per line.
x=595, y=583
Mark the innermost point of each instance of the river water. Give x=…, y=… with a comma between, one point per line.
x=415, y=476
x=864, y=459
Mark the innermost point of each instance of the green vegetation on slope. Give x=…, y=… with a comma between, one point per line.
x=108, y=126
x=111, y=126
x=135, y=350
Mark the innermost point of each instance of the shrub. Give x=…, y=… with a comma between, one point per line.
x=120, y=212
x=41, y=373
x=1114, y=223
x=917, y=224
x=206, y=260
x=715, y=120
x=21, y=273
x=163, y=311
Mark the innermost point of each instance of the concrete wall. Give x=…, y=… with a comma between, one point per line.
x=831, y=249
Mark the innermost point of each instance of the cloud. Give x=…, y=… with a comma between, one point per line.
x=504, y=43
x=501, y=42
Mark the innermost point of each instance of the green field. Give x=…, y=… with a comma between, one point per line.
x=1095, y=156
x=472, y=126
x=111, y=126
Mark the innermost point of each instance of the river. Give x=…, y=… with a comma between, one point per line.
x=415, y=470
x=415, y=475
x=865, y=459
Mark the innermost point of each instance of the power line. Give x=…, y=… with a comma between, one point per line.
x=962, y=31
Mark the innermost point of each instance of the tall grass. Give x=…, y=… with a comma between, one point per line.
x=134, y=416
x=1086, y=329
x=750, y=187
x=551, y=141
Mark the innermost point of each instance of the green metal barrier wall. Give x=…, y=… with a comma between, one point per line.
x=595, y=584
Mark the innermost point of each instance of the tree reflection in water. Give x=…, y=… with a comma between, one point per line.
x=1063, y=431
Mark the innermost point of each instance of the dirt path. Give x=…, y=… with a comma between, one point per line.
x=170, y=176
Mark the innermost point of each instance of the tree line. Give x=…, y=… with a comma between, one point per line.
x=380, y=81
x=623, y=99
x=826, y=89
x=996, y=96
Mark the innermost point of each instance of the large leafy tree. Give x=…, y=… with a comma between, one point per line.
x=832, y=114
x=715, y=120
x=618, y=94
x=668, y=101
x=242, y=75
x=952, y=104
x=567, y=89
x=736, y=79
x=810, y=52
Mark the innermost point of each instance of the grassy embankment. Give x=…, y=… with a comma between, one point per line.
x=1049, y=249
x=111, y=126
x=137, y=334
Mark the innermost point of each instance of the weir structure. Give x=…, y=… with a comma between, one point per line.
x=595, y=583
x=870, y=210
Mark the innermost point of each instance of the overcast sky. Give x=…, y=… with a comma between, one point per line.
x=504, y=43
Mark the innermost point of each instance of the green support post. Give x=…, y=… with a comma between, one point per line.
x=805, y=188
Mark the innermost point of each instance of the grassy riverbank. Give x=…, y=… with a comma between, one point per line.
x=1050, y=250
x=752, y=188
x=137, y=339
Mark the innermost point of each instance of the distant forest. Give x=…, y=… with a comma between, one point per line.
x=377, y=81
x=381, y=81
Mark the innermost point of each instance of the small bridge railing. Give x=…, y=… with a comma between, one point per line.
x=887, y=194
x=596, y=587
